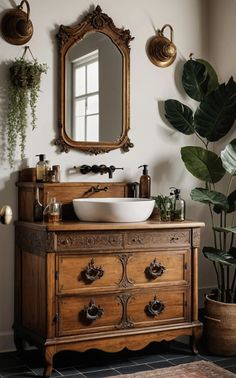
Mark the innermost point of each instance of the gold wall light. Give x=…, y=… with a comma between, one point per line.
x=161, y=50
x=16, y=26
x=5, y=214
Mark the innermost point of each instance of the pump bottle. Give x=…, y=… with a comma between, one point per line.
x=145, y=183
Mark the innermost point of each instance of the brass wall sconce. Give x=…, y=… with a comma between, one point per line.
x=16, y=26
x=161, y=50
x=5, y=214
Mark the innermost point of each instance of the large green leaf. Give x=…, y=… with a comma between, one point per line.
x=180, y=116
x=202, y=163
x=216, y=255
x=195, y=79
x=228, y=157
x=217, y=112
x=226, y=229
x=213, y=79
x=232, y=201
x=210, y=197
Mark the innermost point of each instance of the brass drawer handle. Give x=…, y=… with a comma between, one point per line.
x=92, y=273
x=155, y=307
x=154, y=270
x=92, y=312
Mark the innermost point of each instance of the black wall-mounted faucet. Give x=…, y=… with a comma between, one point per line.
x=84, y=169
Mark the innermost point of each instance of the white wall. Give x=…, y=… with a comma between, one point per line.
x=155, y=144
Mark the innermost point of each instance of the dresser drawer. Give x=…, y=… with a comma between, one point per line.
x=76, y=273
x=159, y=306
x=124, y=310
x=161, y=267
x=87, y=314
x=82, y=241
x=157, y=239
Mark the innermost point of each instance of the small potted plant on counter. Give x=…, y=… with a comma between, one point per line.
x=212, y=119
x=25, y=77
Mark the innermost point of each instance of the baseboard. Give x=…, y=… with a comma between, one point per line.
x=6, y=342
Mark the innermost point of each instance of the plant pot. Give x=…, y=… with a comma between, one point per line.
x=22, y=78
x=220, y=327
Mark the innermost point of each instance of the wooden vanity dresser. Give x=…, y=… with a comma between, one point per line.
x=102, y=285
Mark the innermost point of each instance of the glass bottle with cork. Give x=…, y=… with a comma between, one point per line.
x=178, y=205
x=37, y=207
x=41, y=168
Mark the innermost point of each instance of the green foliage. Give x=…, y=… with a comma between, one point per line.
x=202, y=163
x=212, y=119
x=24, y=88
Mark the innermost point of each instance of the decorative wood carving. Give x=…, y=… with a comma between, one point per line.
x=37, y=241
x=125, y=322
x=125, y=281
x=151, y=239
x=196, y=237
x=93, y=241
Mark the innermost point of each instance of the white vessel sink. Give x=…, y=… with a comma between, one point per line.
x=113, y=209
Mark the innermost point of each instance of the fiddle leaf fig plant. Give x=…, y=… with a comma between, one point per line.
x=213, y=117
x=25, y=77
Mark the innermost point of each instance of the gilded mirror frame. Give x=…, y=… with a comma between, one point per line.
x=68, y=36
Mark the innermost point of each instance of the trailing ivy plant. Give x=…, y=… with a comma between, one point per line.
x=25, y=77
x=212, y=119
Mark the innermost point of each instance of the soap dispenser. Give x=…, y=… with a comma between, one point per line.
x=145, y=183
x=178, y=205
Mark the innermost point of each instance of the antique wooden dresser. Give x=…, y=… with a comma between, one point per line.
x=102, y=285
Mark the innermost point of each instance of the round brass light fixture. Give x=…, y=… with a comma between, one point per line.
x=161, y=50
x=16, y=26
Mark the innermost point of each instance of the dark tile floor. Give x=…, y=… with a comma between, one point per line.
x=97, y=364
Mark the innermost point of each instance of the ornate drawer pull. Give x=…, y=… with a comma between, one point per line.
x=155, y=307
x=92, y=312
x=66, y=241
x=154, y=270
x=92, y=273
x=174, y=238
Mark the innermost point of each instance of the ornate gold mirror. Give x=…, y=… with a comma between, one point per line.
x=94, y=69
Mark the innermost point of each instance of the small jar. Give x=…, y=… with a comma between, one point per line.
x=52, y=212
x=51, y=175
x=57, y=171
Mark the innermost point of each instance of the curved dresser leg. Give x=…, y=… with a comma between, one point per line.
x=48, y=360
x=19, y=344
x=195, y=339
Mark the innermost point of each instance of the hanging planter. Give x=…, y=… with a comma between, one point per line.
x=25, y=78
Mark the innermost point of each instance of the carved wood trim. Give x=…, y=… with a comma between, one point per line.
x=91, y=241
x=196, y=237
x=125, y=322
x=125, y=281
x=152, y=239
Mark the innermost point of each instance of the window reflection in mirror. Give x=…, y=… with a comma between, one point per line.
x=94, y=89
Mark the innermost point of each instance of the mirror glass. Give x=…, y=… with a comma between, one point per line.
x=94, y=85
x=93, y=108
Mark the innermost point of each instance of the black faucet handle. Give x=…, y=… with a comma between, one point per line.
x=84, y=169
x=95, y=168
x=113, y=168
